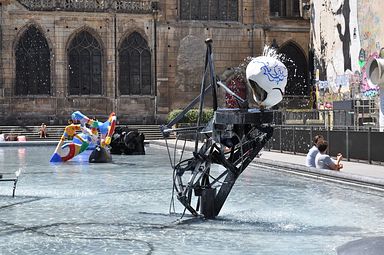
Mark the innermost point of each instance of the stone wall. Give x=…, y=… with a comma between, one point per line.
x=180, y=56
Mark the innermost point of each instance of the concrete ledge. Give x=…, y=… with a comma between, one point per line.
x=189, y=146
x=330, y=175
x=27, y=143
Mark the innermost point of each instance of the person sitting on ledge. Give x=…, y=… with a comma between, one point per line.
x=310, y=160
x=43, y=130
x=324, y=161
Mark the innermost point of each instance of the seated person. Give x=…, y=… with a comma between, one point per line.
x=324, y=161
x=310, y=159
x=43, y=131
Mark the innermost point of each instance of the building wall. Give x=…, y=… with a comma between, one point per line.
x=181, y=46
x=59, y=28
x=180, y=51
x=365, y=31
x=346, y=34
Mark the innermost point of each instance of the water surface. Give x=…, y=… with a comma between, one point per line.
x=123, y=208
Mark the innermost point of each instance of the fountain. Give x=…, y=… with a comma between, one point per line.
x=232, y=139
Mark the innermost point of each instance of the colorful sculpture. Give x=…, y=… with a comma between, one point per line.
x=89, y=133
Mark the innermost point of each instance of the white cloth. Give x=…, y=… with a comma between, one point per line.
x=324, y=161
x=310, y=160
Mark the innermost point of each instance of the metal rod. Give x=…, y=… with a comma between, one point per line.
x=369, y=145
x=347, y=143
x=293, y=139
x=229, y=91
x=311, y=135
x=212, y=73
x=281, y=142
x=202, y=96
x=14, y=188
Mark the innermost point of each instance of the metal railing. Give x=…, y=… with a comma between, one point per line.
x=364, y=144
x=356, y=119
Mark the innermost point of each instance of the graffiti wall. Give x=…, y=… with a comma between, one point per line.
x=347, y=35
x=335, y=37
x=336, y=46
x=371, y=25
x=371, y=28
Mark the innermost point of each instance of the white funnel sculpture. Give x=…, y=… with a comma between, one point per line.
x=267, y=77
x=375, y=76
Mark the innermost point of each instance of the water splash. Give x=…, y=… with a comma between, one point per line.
x=269, y=51
x=272, y=52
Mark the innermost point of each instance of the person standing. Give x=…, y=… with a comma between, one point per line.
x=311, y=155
x=324, y=161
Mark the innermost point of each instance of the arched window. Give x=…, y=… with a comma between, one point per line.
x=33, y=67
x=135, y=66
x=84, y=65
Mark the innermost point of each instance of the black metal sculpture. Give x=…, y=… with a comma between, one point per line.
x=127, y=141
x=232, y=139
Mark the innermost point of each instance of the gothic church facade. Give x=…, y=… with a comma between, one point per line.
x=140, y=59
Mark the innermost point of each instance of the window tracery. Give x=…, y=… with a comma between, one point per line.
x=33, y=64
x=135, y=66
x=84, y=65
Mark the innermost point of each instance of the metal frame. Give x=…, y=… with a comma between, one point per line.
x=14, y=180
